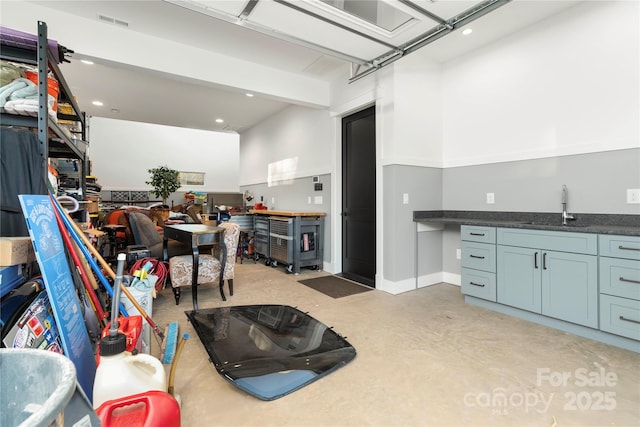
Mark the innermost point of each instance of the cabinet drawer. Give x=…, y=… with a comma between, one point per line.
x=562, y=241
x=620, y=246
x=479, y=284
x=478, y=234
x=479, y=256
x=620, y=277
x=620, y=316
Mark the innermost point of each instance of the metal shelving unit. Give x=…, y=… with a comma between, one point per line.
x=53, y=142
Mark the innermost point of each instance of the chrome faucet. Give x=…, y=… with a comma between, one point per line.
x=565, y=215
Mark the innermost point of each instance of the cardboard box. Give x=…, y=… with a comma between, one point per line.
x=92, y=207
x=16, y=250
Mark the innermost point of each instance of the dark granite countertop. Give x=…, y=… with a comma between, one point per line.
x=625, y=225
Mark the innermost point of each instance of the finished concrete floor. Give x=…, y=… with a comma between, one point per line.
x=424, y=358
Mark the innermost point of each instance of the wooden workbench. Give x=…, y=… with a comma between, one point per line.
x=284, y=213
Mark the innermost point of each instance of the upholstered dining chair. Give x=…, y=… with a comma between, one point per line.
x=181, y=267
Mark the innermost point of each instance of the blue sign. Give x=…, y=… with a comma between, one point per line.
x=50, y=253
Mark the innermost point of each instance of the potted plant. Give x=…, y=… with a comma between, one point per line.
x=164, y=181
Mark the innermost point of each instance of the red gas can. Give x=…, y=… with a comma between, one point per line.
x=130, y=327
x=148, y=409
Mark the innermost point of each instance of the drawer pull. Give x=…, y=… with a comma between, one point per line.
x=622, y=279
x=476, y=256
x=476, y=284
x=477, y=234
x=535, y=260
x=629, y=320
x=627, y=248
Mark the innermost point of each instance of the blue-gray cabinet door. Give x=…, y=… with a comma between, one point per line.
x=570, y=287
x=518, y=277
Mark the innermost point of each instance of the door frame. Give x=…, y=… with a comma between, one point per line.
x=338, y=113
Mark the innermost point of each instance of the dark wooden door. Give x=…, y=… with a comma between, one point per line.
x=359, y=196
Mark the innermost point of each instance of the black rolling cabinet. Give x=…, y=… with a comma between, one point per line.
x=261, y=237
x=281, y=245
x=294, y=239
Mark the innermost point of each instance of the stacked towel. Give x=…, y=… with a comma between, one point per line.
x=21, y=97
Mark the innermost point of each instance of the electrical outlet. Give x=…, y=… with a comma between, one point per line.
x=405, y=199
x=273, y=200
x=458, y=254
x=317, y=200
x=491, y=198
x=633, y=195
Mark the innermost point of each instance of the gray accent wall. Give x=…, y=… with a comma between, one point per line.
x=424, y=189
x=597, y=183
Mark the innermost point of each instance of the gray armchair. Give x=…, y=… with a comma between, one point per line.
x=145, y=233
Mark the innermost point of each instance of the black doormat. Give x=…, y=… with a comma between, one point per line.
x=334, y=286
x=269, y=350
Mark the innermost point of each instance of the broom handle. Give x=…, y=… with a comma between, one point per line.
x=112, y=274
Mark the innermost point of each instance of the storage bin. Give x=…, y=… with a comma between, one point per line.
x=37, y=386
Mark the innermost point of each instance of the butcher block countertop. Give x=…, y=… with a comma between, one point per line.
x=285, y=213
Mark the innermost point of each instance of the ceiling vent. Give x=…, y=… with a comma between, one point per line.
x=110, y=20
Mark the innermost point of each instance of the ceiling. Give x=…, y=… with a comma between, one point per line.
x=308, y=37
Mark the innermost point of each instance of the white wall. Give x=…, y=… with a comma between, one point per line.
x=299, y=133
x=568, y=85
x=417, y=100
x=122, y=152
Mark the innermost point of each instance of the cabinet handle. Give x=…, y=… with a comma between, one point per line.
x=629, y=320
x=535, y=260
x=476, y=256
x=544, y=261
x=477, y=234
x=627, y=248
x=476, y=284
x=622, y=279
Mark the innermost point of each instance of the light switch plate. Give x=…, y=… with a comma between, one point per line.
x=317, y=200
x=633, y=195
x=491, y=198
x=405, y=198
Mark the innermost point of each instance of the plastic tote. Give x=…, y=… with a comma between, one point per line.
x=143, y=294
x=36, y=387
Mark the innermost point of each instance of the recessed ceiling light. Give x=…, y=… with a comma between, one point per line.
x=86, y=61
x=250, y=95
x=467, y=31
x=219, y=121
x=97, y=103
